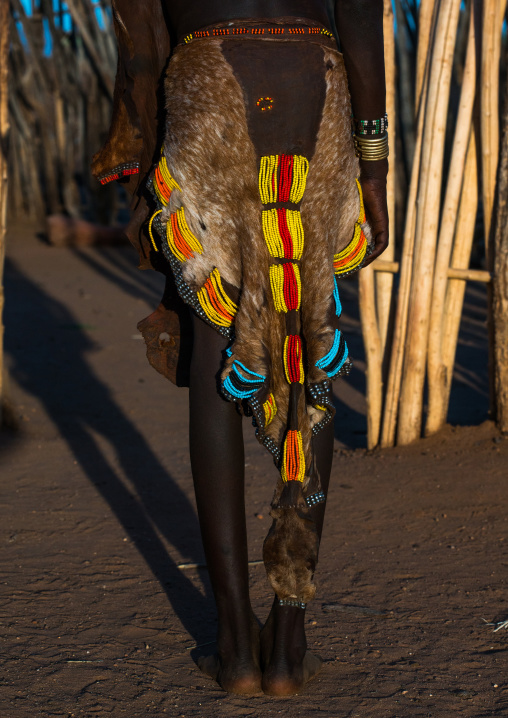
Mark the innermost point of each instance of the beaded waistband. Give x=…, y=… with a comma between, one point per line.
x=276, y=29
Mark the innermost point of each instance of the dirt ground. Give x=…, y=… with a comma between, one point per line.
x=99, y=618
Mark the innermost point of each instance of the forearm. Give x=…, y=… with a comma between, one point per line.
x=360, y=28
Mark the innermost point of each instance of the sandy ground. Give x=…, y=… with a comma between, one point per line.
x=97, y=618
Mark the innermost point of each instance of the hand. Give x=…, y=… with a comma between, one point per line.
x=373, y=181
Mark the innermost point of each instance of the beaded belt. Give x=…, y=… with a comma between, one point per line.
x=282, y=29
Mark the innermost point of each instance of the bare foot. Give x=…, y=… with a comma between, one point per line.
x=236, y=667
x=287, y=664
x=233, y=676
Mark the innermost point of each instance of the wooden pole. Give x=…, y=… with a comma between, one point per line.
x=400, y=323
x=436, y=371
x=372, y=343
x=384, y=282
x=489, y=118
x=4, y=136
x=425, y=16
x=464, y=234
x=500, y=283
x=427, y=217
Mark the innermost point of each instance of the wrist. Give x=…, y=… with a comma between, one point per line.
x=376, y=170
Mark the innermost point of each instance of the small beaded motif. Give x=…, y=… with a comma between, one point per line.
x=293, y=364
x=181, y=240
x=286, y=286
x=283, y=232
x=265, y=103
x=242, y=383
x=314, y=499
x=270, y=409
x=128, y=168
x=333, y=361
x=214, y=301
x=293, y=459
x=294, y=602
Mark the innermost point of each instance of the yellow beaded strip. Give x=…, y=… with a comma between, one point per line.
x=277, y=286
x=268, y=178
x=166, y=174
x=293, y=461
x=174, y=242
x=214, y=301
x=273, y=237
x=270, y=409
x=294, y=220
x=300, y=171
x=361, y=216
x=150, y=228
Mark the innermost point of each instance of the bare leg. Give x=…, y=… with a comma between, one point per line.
x=286, y=662
x=217, y=460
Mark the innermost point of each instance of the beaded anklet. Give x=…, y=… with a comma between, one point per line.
x=294, y=602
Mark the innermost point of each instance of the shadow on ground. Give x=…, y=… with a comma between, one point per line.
x=48, y=359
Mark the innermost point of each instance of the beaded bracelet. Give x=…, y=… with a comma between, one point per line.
x=371, y=127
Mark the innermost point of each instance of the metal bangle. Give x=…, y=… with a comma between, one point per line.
x=371, y=148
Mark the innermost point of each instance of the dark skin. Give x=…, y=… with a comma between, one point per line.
x=275, y=661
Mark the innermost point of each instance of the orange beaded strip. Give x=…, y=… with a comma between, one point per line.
x=214, y=301
x=353, y=255
x=181, y=240
x=293, y=460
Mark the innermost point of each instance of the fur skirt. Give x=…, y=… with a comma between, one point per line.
x=260, y=213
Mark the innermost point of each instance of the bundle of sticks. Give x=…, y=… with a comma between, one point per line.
x=411, y=334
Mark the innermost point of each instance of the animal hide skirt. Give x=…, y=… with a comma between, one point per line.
x=260, y=213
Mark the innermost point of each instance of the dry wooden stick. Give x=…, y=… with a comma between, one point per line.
x=4, y=136
x=372, y=343
x=464, y=234
x=425, y=22
x=500, y=284
x=473, y=275
x=391, y=403
x=489, y=118
x=384, y=282
x=437, y=408
x=427, y=217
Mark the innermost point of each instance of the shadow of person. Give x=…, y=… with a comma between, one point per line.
x=84, y=411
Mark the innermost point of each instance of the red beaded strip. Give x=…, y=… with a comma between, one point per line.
x=293, y=364
x=118, y=172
